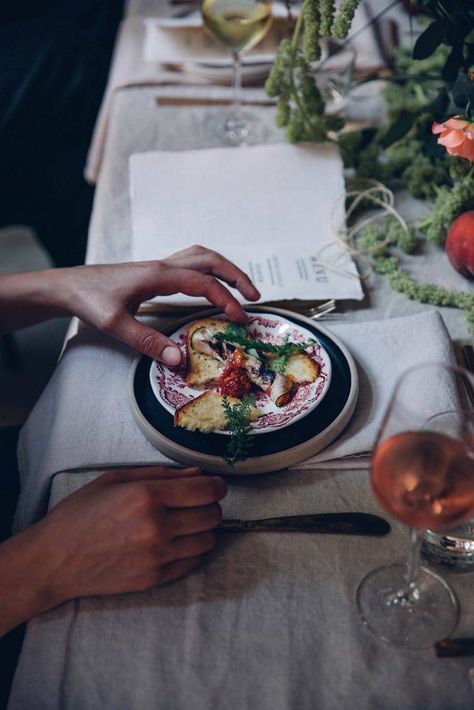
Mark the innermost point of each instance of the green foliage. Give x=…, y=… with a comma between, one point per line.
x=300, y=107
x=399, y=237
x=422, y=176
x=449, y=204
x=343, y=21
x=452, y=26
x=463, y=93
x=376, y=241
x=312, y=28
x=414, y=159
x=422, y=90
x=349, y=146
x=239, y=426
x=327, y=9
x=429, y=40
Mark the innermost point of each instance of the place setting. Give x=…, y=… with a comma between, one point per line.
x=217, y=56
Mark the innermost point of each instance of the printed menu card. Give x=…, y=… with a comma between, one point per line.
x=271, y=209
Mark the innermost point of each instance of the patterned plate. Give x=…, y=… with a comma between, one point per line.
x=172, y=391
x=272, y=451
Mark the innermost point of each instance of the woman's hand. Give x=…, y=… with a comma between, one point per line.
x=128, y=530
x=108, y=297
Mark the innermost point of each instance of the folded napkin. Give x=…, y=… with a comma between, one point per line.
x=184, y=40
x=268, y=208
x=83, y=418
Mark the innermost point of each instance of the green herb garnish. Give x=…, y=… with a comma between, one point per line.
x=238, y=424
x=236, y=334
x=279, y=363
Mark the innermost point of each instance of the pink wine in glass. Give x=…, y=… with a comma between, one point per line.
x=424, y=479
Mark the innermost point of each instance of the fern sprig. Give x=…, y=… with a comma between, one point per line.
x=239, y=427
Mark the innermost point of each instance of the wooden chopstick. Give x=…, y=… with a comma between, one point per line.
x=183, y=101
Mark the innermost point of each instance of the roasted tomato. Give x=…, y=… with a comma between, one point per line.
x=234, y=381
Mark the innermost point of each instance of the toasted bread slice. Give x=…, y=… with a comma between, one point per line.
x=203, y=369
x=205, y=413
x=302, y=369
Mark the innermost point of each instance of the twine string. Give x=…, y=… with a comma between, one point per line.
x=383, y=199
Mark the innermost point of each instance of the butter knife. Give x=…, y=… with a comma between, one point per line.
x=450, y=648
x=326, y=523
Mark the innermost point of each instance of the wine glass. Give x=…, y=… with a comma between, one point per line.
x=238, y=25
x=422, y=473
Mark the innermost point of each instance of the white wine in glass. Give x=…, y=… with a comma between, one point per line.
x=238, y=25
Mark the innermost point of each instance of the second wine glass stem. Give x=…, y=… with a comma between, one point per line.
x=409, y=594
x=413, y=565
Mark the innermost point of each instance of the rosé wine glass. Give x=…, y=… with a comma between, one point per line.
x=422, y=473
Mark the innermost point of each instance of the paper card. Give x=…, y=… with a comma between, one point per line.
x=270, y=209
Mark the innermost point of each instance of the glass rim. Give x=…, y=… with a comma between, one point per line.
x=454, y=367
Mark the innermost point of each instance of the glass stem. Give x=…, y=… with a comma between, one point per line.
x=413, y=565
x=409, y=594
x=237, y=89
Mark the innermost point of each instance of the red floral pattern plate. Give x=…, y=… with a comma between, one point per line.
x=172, y=391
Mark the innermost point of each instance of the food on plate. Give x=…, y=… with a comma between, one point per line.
x=221, y=354
x=205, y=413
x=203, y=367
x=230, y=365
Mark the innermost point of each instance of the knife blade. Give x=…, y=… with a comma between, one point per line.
x=450, y=648
x=325, y=523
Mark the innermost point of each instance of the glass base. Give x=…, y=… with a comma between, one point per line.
x=235, y=128
x=452, y=550
x=408, y=622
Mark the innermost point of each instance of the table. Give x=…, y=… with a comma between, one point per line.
x=269, y=622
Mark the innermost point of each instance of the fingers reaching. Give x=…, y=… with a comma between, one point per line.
x=195, y=283
x=144, y=339
x=211, y=262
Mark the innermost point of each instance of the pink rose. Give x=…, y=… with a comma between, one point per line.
x=457, y=136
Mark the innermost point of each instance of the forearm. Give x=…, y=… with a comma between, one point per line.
x=26, y=588
x=26, y=299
